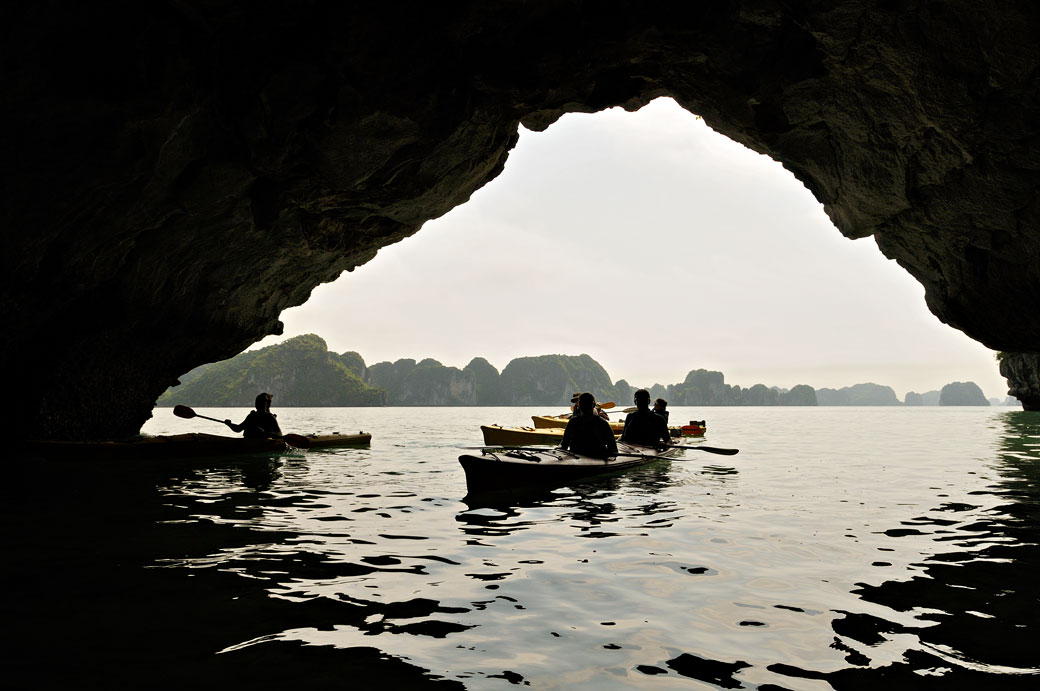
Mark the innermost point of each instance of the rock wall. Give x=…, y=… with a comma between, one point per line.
x=177, y=174
x=1023, y=374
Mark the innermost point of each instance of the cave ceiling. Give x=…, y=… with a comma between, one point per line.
x=176, y=174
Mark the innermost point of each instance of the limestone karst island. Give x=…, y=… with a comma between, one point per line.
x=306, y=373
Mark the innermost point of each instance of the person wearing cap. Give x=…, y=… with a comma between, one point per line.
x=643, y=426
x=260, y=423
x=587, y=433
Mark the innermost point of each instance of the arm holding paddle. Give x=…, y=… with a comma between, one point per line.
x=258, y=425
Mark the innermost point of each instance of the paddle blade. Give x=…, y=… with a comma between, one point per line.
x=608, y=405
x=183, y=411
x=297, y=440
x=713, y=449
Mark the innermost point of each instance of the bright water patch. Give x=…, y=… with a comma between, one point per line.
x=844, y=548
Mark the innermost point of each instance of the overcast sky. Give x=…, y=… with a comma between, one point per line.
x=656, y=246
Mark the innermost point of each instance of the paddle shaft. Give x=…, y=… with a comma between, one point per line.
x=206, y=417
x=533, y=449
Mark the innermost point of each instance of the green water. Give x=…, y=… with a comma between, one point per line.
x=842, y=548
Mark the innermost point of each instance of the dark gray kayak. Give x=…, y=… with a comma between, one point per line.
x=508, y=468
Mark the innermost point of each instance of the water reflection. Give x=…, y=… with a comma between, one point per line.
x=138, y=575
x=973, y=611
x=318, y=569
x=584, y=504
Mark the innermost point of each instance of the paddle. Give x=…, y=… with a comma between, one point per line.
x=555, y=448
x=603, y=406
x=709, y=449
x=534, y=449
x=296, y=440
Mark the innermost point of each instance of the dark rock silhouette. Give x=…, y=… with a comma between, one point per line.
x=962, y=393
x=801, y=394
x=1023, y=374
x=858, y=394
x=301, y=371
x=180, y=173
x=928, y=398
x=487, y=385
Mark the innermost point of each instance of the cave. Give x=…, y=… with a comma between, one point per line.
x=179, y=173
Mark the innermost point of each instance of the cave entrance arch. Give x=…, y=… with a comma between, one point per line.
x=737, y=265
x=184, y=173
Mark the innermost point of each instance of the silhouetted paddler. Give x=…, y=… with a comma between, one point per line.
x=260, y=423
x=588, y=433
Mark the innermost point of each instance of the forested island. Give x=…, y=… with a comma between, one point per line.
x=302, y=371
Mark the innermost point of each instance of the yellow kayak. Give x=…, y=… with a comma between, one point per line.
x=560, y=421
x=550, y=421
x=497, y=435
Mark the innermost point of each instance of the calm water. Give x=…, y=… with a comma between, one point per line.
x=842, y=548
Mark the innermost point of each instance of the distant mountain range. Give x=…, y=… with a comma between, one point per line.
x=302, y=371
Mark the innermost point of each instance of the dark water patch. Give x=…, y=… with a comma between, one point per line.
x=917, y=670
x=489, y=576
x=799, y=610
x=711, y=671
x=433, y=629
x=381, y=560
x=403, y=537
x=865, y=628
x=718, y=470
x=284, y=664
x=853, y=656
x=931, y=520
x=902, y=532
x=511, y=677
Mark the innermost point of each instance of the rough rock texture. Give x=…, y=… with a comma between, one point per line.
x=176, y=174
x=1023, y=374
